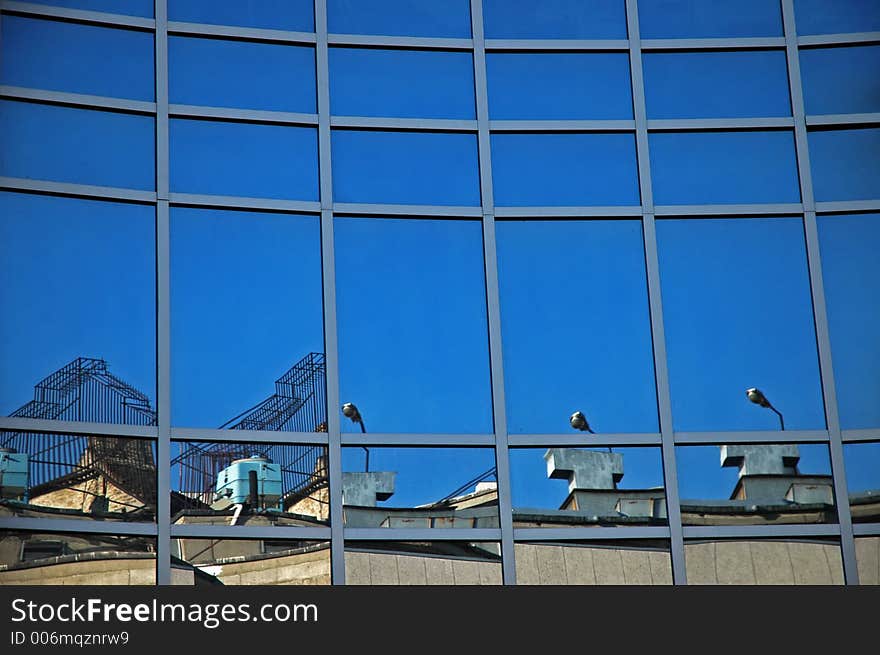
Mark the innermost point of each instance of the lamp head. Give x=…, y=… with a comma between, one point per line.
x=579, y=422
x=351, y=411
x=757, y=397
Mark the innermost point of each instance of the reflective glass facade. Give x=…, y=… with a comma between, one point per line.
x=410, y=292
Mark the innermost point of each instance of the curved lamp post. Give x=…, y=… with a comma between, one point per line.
x=350, y=410
x=757, y=397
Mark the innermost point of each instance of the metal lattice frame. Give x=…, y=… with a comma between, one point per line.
x=333, y=439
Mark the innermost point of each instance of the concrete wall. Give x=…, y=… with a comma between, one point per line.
x=390, y=569
x=135, y=571
x=763, y=563
x=868, y=560
x=587, y=565
x=311, y=568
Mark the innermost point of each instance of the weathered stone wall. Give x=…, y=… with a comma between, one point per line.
x=585, y=565
x=763, y=563
x=135, y=571
x=311, y=568
x=81, y=496
x=868, y=560
x=391, y=569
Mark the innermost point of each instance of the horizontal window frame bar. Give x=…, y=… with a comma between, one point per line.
x=400, y=42
x=48, y=426
x=847, y=206
x=341, y=209
x=278, y=532
x=241, y=202
x=758, y=209
x=757, y=436
x=600, y=533
x=405, y=124
x=569, y=45
x=617, y=211
x=726, y=43
x=249, y=436
x=78, y=190
x=240, y=33
x=78, y=100
x=355, y=439
x=563, y=125
x=237, y=115
x=818, y=40
x=700, y=124
x=80, y=526
x=760, y=531
x=422, y=534
x=138, y=23
x=866, y=529
x=862, y=435
x=843, y=119
x=583, y=441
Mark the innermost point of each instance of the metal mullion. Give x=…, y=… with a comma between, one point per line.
x=761, y=531
x=244, y=115
x=410, y=211
x=569, y=45
x=163, y=301
x=237, y=202
x=590, y=533
x=328, y=267
x=248, y=436
x=240, y=33
x=32, y=524
x=578, y=441
x=838, y=39
x=861, y=435
x=756, y=436
x=848, y=206
x=87, y=101
x=817, y=290
x=758, y=209
x=652, y=269
x=869, y=119
x=418, y=440
x=736, y=43
x=52, y=426
x=775, y=123
x=574, y=125
x=423, y=534
x=630, y=211
x=867, y=529
x=197, y=531
x=124, y=21
x=496, y=364
x=399, y=42
x=77, y=190
x=398, y=124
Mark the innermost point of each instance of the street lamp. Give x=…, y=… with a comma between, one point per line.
x=757, y=397
x=350, y=410
x=579, y=422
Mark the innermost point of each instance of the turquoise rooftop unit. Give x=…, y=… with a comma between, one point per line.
x=13, y=473
x=233, y=481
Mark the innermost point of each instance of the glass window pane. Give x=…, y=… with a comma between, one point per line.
x=606, y=562
x=77, y=58
x=241, y=74
x=422, y=563
x=401, y=83
x=716, y=84
x=723, y=167
x=845, y=163
x=68, y=476
x=559, y=85
x=143, y=8
x=450, y=18
x=411, y=310
x=862, y=462
x=60, y=558
x=851, y=274
x=256, y=485
x=419, y=488
x=244, y=159
x=550, y=369
x=554, y=19
x=225, y=362
x=685, y=19
x=764, y=562
x=587, y=487
x=410, y=168
x=47, y=142
x=250, y=562
x=835, y=80
x=564, y=169
x=868, y=560
x=738, y=314
x=81, y=343
x=294, y=15
x=743, y=484
x=836, y=16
